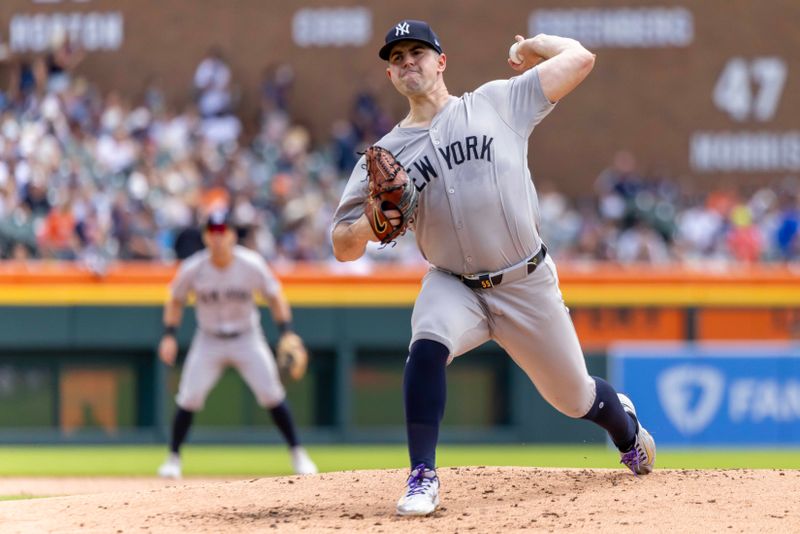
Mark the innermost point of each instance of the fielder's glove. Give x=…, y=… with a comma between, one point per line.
x=390, y=188
x=292, y=356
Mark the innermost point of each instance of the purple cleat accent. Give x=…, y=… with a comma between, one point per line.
x=642, y=457
x=422, y=492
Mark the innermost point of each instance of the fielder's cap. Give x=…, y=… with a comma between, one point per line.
x=219, y=221
x=409, y=30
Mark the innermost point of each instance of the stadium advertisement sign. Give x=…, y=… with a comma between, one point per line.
x=713, y=394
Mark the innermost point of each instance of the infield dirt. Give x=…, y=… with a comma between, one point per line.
x=474, y=499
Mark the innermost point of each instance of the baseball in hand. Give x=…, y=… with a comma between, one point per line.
x=513, y=55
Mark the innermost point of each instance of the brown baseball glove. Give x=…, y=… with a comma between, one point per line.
x=292, y=356
x=390, y=188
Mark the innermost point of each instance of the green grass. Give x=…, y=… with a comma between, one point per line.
x=201, y=460
x=20, y=497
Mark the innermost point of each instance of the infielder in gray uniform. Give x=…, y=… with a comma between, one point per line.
x=224, y=278
x=476, y=223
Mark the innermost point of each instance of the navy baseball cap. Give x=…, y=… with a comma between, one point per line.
x=219, y=221
x=409, y=30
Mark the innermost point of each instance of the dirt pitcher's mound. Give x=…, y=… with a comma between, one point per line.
x=474, y=499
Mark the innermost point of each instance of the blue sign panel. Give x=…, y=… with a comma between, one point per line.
x=712, y=394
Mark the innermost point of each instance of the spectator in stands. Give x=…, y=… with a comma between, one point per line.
x=616, y=186
x=92, y=236
x=640, y=243
x=34, y=195
x=141, y=243
x=560, y=224
x=117, y=151
x=212, y=84
x=743, y=239
x=17, y=234
x=153, y=97
x=595, y=241
x=60, y=61
x=27, y=80
x=787, y=234
x=57, y=238
x=698, y=231
x=367, y=122
x=277, y=82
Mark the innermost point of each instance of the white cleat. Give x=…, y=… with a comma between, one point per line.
x=642, y=457
x=171, y=468
x=422, y=492
x=301, y=462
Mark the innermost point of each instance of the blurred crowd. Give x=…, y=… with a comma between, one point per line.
x=633, y=216
x=96, y=177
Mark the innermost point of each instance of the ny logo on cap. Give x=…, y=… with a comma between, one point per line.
x=402, y=29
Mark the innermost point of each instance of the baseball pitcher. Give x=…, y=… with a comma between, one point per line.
x=223, y=279
x=474, y=211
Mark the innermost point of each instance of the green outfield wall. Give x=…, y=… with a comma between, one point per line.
x=86, y=374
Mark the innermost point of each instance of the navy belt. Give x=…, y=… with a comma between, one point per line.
x=487, y=280
x=226, y=335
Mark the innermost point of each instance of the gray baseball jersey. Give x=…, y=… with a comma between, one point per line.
x=229, y=332
x=478, y=213
x=224, y=298
x=478, y=207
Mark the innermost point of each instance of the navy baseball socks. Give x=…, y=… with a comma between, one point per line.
x=283, y=420
x=301, y=461
x=180, y=429
x=607, y=412
x=616, y=414
x=424, y=395
x=171, y=468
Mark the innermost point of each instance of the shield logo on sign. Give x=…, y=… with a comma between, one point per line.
x=677, y=388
